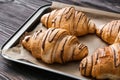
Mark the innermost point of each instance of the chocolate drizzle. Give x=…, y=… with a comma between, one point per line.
x=74, y=25
x=54, y=22
x=61, y=17
x=91, y=65
x=85, y=66
x=59, y=37
x=110, y=31
x=115, y=24
x=81, y=46
x=68, y=10
x=115, y=58
x=47, y=20
x=101, y=31
x=85, y=20
x=62, y=51
x=88, y=22
x=36, y=34
x=72, y=57
x=43, y=40
x=27, y=38
x=119, y=29
x=51, y=18
x=45, y=37
x=79, y=18
x=82, y=16
x=68, y=16
x=51, y=38
x=96, y=58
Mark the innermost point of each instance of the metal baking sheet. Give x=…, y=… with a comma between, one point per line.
x=12, y=51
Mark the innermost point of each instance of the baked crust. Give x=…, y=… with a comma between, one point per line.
x=55, y=46
x=104, y=63
x=68, y=18
x=109, y=31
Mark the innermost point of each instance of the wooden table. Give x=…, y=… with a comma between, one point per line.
x=12, y=15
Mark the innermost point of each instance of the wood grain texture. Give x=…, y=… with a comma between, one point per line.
x=12, y=15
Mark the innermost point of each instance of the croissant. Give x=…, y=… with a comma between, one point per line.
x=55, y=46
x=104, y=63
x=68, y=18
x=109, y=31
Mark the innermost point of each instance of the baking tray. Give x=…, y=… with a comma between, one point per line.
x=31, y=24
x=28, y=26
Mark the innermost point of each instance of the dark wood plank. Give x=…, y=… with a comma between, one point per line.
x=14, y=14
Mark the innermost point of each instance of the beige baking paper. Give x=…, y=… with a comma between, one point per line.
x=85, y=9
x=71, y=68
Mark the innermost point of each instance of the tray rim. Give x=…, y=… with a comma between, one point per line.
x=42, y=68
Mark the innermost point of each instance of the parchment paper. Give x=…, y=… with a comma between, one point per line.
x=72, y=68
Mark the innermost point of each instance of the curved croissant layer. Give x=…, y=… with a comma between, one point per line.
x=68, y=18
x=109, y=31
x=104, y=63
x=55, y=46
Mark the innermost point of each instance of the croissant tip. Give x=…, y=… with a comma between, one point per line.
x=25, y=42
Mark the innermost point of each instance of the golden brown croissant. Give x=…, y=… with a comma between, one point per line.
x=117, y=40
x=68, y=18
x=104, y=63
x=55, y=46
x=109, y=31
